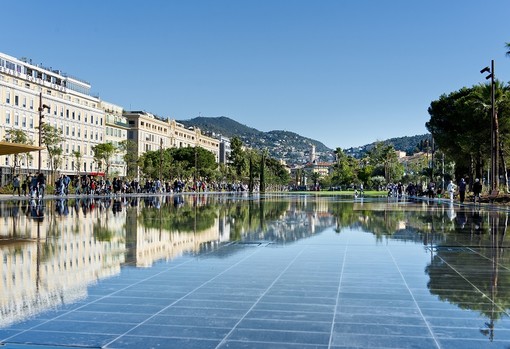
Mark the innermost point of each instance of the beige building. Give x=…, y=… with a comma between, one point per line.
x=148, y=131
x=151, y=133
x=69, y=106
x=116, y=128
x=191, y=137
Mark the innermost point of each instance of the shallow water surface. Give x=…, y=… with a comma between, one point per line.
x=235, y=271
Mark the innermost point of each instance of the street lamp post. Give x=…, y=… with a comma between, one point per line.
x=41, y=109
x=494, y=130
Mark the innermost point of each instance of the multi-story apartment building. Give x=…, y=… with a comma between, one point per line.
x=32, y=94
x=116, y=128
x=69, y=107
x=151, y=132
x=193, y=137
x=225, y=150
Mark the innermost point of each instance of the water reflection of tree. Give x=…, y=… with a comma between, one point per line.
x=469, y=276
x=185, y=218
x=379, y=222
x=253, y=217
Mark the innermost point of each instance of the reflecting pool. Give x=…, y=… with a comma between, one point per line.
x=236, y=271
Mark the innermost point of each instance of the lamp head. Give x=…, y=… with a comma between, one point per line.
x=485, y=70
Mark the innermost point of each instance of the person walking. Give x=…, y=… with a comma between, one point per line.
x=16, y=185
x=462, y=190
x=41, y=183
x=451, y=189
x=477, y=189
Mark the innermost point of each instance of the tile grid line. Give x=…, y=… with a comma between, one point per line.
x=261, y=296
x=414, y=299
x=181, y=298
x=338, y=294
x=92, y=302
x=474, y=286
x=5, y=340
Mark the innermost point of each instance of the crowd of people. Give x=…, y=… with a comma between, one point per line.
x=34, y=186
x=432, y=191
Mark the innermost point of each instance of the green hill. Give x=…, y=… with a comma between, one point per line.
x=290, y=146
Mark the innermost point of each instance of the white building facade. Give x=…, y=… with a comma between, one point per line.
x=72, y=109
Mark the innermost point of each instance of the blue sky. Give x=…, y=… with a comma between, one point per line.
x=345, y=73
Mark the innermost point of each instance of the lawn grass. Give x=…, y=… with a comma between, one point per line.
x=367, y=193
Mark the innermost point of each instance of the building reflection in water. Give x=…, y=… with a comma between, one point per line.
x=53, y=250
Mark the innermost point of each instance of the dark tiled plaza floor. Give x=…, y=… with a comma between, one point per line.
x=331, y=290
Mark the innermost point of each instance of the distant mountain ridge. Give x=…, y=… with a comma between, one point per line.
x=408, y=144
x=287, y=145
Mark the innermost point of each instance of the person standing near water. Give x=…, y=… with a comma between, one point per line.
x=451, y=189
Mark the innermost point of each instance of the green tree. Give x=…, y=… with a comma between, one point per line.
x=16, y=136
x=77, y=155
x=345, y=169
x=315, y=176
x=52, y=138
x=157, y=164
x=263, y=171
x=103, y=154
x=238, y=157
x=198, y=160
x=385, y=160
x=460, y=123
x=276, y=173
x=130, y=150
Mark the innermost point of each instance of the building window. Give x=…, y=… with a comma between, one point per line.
x=24, y=121
x=16, y=120
x=31, y=103
x=24, y=102
x=8, y=117
x=8, y=97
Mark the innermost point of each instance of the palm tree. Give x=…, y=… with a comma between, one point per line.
x=481, y=95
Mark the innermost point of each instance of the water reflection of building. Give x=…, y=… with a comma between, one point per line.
x=56, y=262
x=50, y=260
x=149, y=244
